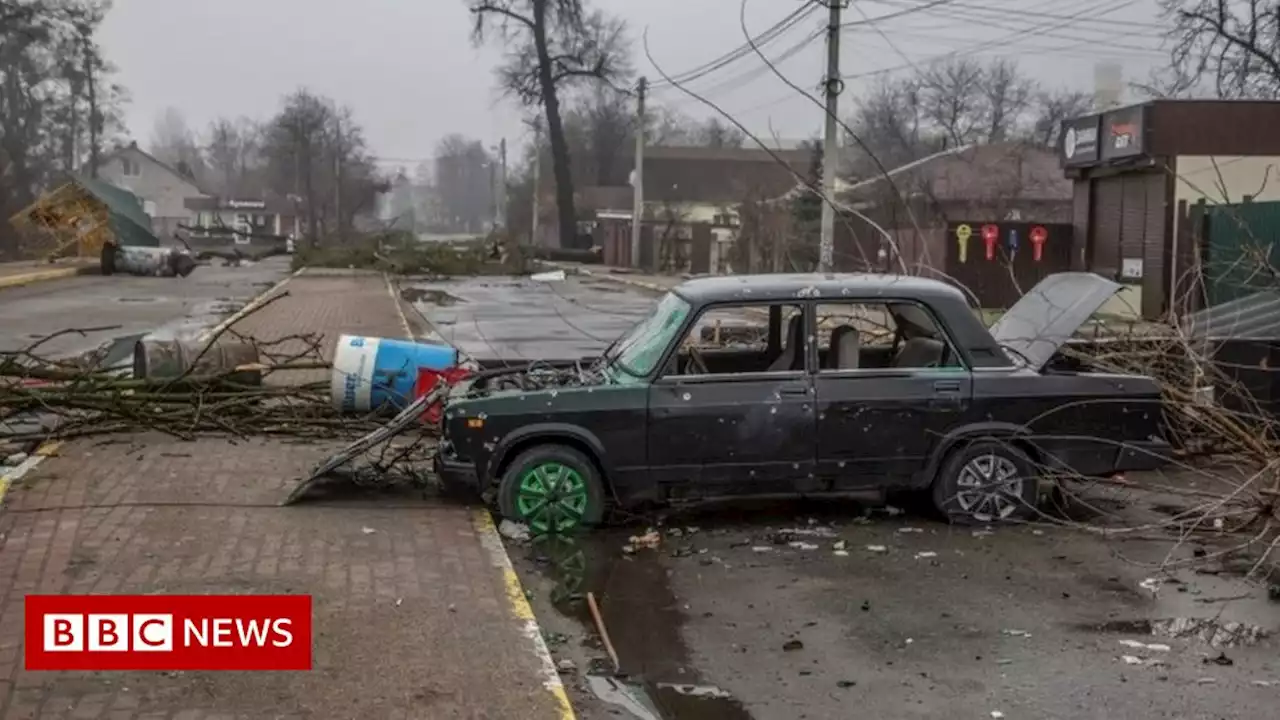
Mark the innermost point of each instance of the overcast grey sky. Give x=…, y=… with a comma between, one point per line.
x=409, y=70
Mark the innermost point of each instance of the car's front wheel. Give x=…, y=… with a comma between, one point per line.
x=553, y=489
x=986, y=481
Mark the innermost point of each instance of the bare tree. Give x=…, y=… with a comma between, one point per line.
x=1233, y=45
x=1008, y=96
x=1051, y=108
x=233, y=153
x=950, y=104
x=952, y=99
x=463, y=179
x=173, y=142
x=315, y=150
x=553, y=45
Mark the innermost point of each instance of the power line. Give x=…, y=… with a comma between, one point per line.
x=976, y=48
x=1021, y=26
x=744, y=50
x=1004, y=12
x=738, y=81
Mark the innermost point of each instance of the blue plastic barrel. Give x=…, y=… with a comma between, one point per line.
x=372, y=372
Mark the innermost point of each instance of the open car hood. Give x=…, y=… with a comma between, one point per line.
x=1050, y=313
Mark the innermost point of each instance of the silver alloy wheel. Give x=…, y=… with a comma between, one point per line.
x=989, y=488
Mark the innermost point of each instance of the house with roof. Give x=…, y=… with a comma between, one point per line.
x=692, y=199
x=162, y=188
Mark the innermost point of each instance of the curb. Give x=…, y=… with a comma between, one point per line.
x=12, y=475
x=248, y=308
x=523, y=612
x=31, y=278
x=611, y=277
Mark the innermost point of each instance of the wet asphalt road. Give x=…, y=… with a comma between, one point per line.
x=160, y=306
x=519, y=320
x=781, y=611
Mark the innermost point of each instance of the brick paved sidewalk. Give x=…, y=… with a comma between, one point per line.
x=414, y=615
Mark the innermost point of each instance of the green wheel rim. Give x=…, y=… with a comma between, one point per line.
x=552, y=498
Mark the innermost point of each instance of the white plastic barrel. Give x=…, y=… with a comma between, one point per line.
x=371, y=372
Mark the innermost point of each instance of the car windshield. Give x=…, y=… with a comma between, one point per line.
x=638, y=351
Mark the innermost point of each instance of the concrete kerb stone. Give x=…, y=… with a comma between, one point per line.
x=611, y=277
x=10, y=281
x=249, y=307
x=523, y=612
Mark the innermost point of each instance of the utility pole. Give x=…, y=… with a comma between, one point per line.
x=537, y=179
x=830, y=138
x=337, y=177
x=637, y=175
x=502, y=184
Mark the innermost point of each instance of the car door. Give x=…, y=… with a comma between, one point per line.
x=877, y=425
x=735, y=433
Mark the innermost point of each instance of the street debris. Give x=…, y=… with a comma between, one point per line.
x=799, y=545
x=390, y=457
x=926, y=555
x=839, y=545
x=1219, y=659
x=792, y=645
x=877, y=548
x=603, y=631
x=1016, y=633
x=1158, y=647
x=181, y=389
x=552, y=276
x=517, y=532
x=1151, y=585
x=649, y=540
x=910, y=530
x=368, y=530
x=699, y=691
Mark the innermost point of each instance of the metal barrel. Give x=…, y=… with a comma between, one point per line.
x=160, y=359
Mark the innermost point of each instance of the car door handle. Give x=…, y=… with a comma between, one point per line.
x=794, y=391
x=947, y=386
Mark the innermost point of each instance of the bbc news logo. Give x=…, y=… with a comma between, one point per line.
x=168, y=632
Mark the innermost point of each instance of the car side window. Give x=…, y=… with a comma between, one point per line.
x=734, y=340
x=856, y=336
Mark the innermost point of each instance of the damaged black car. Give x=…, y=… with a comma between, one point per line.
x=812, y=385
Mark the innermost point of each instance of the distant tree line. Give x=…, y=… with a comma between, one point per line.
x=312, y=151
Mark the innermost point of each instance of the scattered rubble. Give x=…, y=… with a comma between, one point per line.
x=514, y=531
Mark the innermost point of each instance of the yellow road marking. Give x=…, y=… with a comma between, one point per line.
x=12, y=475
x=520, y=607
x=38, y=276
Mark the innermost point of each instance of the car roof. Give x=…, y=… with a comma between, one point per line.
x=774, y=287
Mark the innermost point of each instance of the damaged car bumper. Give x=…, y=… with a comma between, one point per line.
x=1151, y=454
x=453, y=472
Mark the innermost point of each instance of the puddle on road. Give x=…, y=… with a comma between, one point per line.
x=643, y=619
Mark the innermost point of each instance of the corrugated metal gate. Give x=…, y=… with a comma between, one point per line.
x=1241, y=257
x=1128, y=224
